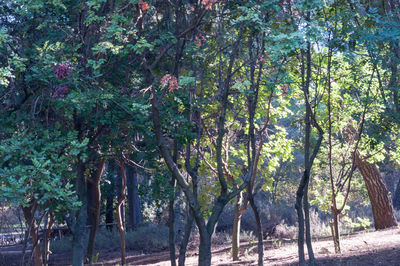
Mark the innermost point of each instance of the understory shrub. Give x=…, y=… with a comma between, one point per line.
x=148, y=238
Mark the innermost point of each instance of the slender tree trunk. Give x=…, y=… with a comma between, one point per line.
x=79, y=227
x=186, y=236
x=300, y=220
x=47, y=239
x=138, y=217
x=94, y=196
x=381, y=203
x=30, y=219
x=171, y=209
x=236, y=227
x=121, y=228
x=119, y=195
x=130, y=172
x=259, y=230
x=306, y=207
x=110, y=196
x=335, y=230
x=171, y=222
x=135, y=214
x=302, y=191
x=335, y=212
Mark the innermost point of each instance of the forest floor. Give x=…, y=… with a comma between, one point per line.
x=363, y=248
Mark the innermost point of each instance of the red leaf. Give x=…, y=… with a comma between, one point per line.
x=173, y=82
x=143, y=6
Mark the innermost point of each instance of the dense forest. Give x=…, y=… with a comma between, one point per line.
x=161, y=124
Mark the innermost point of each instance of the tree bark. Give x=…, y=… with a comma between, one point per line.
x=381, y=203
x=306, y=207
x=79, y=227
x=93, y=207
x=171, y=209
x=259, y=231
x=110, y=196
x=205, y=250
x=236, y=227
x=135, y=215
x=186, y=236
x=335, y=230
x=119, y=195
x=121, y=228
x=50, y=222
x=300, y=220
x=30, y=219
x=171, y=222
x=302, y=191
x=378, y=193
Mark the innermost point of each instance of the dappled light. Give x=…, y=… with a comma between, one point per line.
x=199, y=132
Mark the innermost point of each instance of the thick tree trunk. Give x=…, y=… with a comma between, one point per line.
x=135, y=215
x=29, y=218
x=381, y=203
x=79, y=227
x=236, y=227
x=94, y=196
x=205, y=250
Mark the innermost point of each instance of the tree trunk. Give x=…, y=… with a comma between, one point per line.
x=205, y=250
x=119, y=195
x=335, y=229
x=382, y=208
x=171, y=222
x=300, y=220
x=135, y=215
x=186, y=236
x=93, y=207
x=50, y=222
x=236, y=227
x=259, y=231
x=110, y=196
x=306, y=207
x=79, y=227
x=121, y=227
x=30, y=219
x=381, y=203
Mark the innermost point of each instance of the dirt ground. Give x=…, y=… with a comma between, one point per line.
x=363, y=248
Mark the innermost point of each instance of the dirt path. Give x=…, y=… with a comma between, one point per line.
x=364, y=248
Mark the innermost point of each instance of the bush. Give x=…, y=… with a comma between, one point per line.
x=61, y=245
x=148, y=237
x=107, y=239
x=220, y=238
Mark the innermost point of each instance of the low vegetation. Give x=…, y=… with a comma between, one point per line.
x=184, y=127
